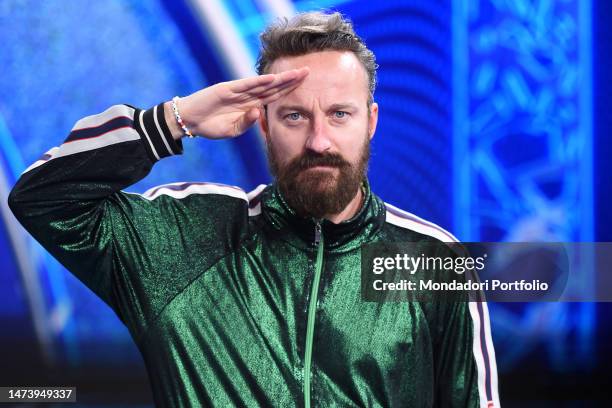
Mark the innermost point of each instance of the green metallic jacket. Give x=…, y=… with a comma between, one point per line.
x=231, y=298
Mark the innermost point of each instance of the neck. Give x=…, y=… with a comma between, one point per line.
x=350, y=210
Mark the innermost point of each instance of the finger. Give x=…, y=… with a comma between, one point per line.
x=247, y=84
x=283, y=88
x=281, y=80
x=294, y=74
x=271, y=97
x=246, y=121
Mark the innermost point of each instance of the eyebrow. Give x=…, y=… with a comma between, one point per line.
x=334, y=107
x=342, y=106
x=291, y=108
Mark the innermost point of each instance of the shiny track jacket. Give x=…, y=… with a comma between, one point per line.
x=234, y=300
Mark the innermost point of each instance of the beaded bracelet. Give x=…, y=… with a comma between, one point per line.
x=177, y=115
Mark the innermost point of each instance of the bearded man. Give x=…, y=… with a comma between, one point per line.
x=253, y=299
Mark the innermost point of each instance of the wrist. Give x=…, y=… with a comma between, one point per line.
x=179, y=118
x=175, y=129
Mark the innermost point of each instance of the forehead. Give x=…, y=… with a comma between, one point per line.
x=333, y=74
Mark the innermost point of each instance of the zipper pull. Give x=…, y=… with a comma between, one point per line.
x=317, y=232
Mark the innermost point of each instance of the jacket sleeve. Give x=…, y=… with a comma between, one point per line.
x=465, y=367
x=127, y=248
x=465, y=370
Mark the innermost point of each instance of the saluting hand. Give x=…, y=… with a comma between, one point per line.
x=228, y=109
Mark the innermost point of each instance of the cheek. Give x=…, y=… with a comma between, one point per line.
x=285, y=146
x=353, y=150
x=351, y=141
x=287, y=143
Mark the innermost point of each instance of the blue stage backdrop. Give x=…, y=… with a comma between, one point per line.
x=486, y=128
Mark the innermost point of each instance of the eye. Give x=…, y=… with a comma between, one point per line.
x=293, y=116
x=340, y=114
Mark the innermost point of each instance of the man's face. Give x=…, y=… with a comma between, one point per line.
x=318, y=136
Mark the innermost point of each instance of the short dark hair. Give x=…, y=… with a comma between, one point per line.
x=312, y=32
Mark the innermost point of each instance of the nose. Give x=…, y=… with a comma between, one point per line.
x=318, y=139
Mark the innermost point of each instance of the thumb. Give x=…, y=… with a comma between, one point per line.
x=246, y=121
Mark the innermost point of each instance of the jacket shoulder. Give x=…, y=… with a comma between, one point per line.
x=215, y=198
x=412, y=223
x=180, y=190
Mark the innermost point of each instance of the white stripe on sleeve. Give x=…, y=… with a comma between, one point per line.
x=101, y=118
x=120, y=135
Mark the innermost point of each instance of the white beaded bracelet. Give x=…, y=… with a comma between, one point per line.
x=177, y=115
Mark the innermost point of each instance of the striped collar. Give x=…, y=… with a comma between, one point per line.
x=343, y=236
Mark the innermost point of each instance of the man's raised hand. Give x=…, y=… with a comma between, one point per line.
x=228, y=109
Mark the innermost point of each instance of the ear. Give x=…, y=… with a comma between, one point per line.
x=263, y=123
x=372, y=119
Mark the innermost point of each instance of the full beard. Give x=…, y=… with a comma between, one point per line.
x=318, y=193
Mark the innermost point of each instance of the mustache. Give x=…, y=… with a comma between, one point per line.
x=311, y=159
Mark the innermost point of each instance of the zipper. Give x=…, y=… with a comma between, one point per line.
x=312, y=309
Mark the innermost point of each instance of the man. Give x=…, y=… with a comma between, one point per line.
x=239, y=299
